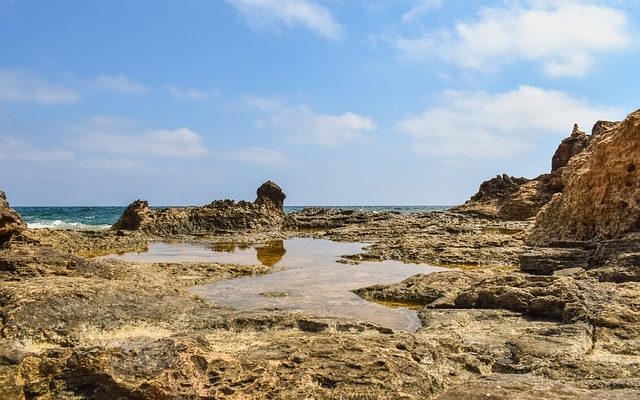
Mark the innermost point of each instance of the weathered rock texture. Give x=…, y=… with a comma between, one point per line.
x=270, y=191
x=10, y=220
x=218, y=217
x=511, y=198
x=601, y=195
x=133, y=217
x=574, y=144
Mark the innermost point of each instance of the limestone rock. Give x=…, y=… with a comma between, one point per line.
x=574, y=144
x=498, y=187
x=271, y=192
x=10, y=220
x=603, y=126
x=601, y=195
x=133, y=216
x=217, y=217
x=511, y=198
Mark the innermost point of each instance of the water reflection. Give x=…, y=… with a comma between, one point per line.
x=308, y=278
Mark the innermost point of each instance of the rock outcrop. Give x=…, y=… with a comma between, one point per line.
x=601, y=195
x=574, y=144
x=10, y=220
x=511, y=198
x=133, y=217
x=220, y=216
x=270, y=191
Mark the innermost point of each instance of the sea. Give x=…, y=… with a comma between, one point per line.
x=100, y=218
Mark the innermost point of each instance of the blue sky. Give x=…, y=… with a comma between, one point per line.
x=342, y=102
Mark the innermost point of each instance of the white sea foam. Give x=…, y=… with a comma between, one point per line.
x=59, y=224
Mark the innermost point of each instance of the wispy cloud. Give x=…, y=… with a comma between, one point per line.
x=190, y=93
x=301, y=124
x=118, y=84
x=418, y=10
x=564, y=37
x=259, y=155
x=276, y=14
x=18, y=85
x=480, y=124
x=122, y=137
x=18, y=149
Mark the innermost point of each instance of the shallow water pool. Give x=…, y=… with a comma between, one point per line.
x=307, y=278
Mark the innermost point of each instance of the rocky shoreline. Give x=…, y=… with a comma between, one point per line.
x=542, y=301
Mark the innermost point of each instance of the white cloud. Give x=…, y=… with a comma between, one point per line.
x=258, y=155
x=118, y=84
x=423, y=7
x=190, y=93
x=303, y=125
x=119, y=136
x=114, y=164
x=17, y=149
x=564, y=37
x=21, y=86
x=277, y=13
x=479, y=124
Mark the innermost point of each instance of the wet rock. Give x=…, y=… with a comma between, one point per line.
x=10, y=220
x=600, y=199
x=270, y=191
x=133, y=217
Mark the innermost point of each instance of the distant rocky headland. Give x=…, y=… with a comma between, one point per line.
x=541, y=299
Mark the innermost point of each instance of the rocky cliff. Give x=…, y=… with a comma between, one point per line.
x=264, y=213
x=511, y=198
x=10, y=220
x=601, y=195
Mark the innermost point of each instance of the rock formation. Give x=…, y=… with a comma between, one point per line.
x=601, y=195
x=511, y=198
x=270, y=191
x=574, y=144
x=133, y=217
x=265, y=213
x=10, y=220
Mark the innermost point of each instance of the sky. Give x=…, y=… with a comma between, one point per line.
x=341, y=102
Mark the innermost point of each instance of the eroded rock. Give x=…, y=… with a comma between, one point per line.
x=574, y=144
x=265, y=214
x=134, y=216
x=10, y=220
x=270, y=191
x=601, y=195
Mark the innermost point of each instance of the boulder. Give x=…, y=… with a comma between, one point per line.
x=10, y=220
x=269, y=191
x=601, y=195
x=133, y=216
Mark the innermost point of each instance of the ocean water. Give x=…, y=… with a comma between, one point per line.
x=98, y=218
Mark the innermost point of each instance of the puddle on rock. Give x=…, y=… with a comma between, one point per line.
x=307, y=278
